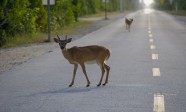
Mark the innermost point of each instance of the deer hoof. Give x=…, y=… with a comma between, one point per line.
x=104, y=84
x=87, y=85
x=70, y=85
x=98, y=85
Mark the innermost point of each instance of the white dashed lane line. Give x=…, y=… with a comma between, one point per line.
x=150, y=35
x=151, y=40
x=159, y=105
x=152, y=47
x=154, y=56
x=156, y=72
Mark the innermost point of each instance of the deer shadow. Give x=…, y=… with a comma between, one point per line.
x=67, y=90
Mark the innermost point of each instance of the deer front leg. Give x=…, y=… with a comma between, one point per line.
x=84, y=71
x=74, y=74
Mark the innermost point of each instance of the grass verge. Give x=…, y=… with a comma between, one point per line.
x=101, y=14
x=40, y=37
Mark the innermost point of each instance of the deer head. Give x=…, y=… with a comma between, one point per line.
x=62, y=43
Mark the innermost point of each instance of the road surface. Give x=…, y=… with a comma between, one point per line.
x=148, y=72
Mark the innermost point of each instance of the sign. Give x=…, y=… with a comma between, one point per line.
x=48, y=3
x=45, y=2
x=105, y=1
x=170, y=1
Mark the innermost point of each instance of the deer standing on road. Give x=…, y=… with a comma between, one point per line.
x=87, y=54
x=128, y=23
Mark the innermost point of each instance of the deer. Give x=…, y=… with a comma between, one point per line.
x=85, y=55
x=128, y=23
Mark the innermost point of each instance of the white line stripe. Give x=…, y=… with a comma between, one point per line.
x=150, y=35
x=155, y=56
x=159, y=104
x=152, y=47
x=156, y=72
x=151, y=40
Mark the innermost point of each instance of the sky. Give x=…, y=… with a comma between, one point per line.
x=147, y=2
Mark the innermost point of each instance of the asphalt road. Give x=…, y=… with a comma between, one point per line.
x=148, y=72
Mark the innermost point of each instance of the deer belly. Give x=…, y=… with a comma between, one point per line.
x=91, y=62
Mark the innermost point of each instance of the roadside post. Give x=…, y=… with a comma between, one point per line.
x=105, y=1
x=48, y=3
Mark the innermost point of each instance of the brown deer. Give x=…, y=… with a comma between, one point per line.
x=128, y=23
x=87, y=54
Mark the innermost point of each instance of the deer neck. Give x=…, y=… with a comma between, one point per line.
x=65, y=53
x=68, y=56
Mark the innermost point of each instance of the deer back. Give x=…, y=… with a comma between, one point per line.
x=86, y=54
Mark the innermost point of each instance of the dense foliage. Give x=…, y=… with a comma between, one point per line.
x=170, y=4
x=30, y=16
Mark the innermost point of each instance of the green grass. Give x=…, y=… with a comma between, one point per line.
x=100, y=14
x=24, y=39
x=40, y=37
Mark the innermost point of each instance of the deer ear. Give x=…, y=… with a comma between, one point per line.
x=69, y=40
x=56, y=40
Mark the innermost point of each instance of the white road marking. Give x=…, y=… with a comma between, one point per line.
x=150, y=35
x=149, y=32
x=152, y=47
x=155, y=56
x=156, y=72
x=151, y=40
x=159, y=104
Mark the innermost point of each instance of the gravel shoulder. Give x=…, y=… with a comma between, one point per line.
x=11, y=57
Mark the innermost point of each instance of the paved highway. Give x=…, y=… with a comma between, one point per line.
x=148, y=72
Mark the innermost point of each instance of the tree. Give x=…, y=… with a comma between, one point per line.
x=62, y=14
x=16, y=18
x=41, y=21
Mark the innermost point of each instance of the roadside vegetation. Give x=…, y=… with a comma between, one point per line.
x=39, y=37
x=175, y=7
x=25, y=21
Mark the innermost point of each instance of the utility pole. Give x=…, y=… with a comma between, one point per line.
x=48, y=3
x=121, y=6
x=176, y=6
x=48, y=7
x=106, y=10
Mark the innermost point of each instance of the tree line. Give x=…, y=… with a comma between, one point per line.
x=30, y=16
x=170, y=4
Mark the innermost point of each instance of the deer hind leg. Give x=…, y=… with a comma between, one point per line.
x=129, y=28
x=107, y=69
x=74, y=74
x=103, y=72
x=84, y=71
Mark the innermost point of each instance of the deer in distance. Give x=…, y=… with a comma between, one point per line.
x=85, y=55
x=128, y=23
